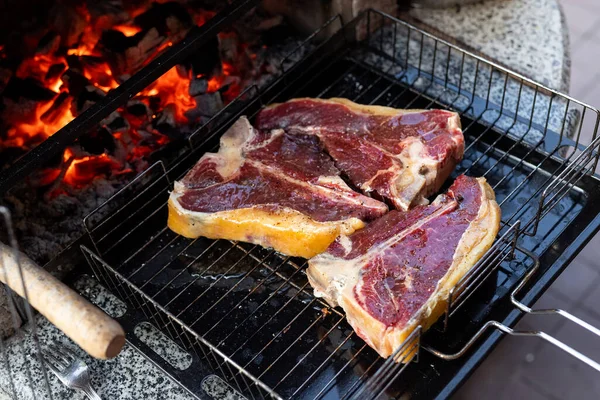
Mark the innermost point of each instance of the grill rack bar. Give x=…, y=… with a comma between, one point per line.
x=562, y=183
x=502, y=249
x=407, y=352
x=176, y=329
x=391, y=369
x=527, y=310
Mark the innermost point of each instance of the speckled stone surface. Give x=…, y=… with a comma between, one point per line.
x=529, y=36
x=129, y=376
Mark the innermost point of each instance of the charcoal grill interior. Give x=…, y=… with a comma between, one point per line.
x=197, y=37
x=248, y=313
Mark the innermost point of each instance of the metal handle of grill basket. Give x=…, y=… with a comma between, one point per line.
x=507, y=330
x=88, y=326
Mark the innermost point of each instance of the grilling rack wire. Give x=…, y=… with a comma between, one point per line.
x=248, y=314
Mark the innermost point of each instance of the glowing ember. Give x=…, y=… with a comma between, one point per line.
x=83, y=170
x=19, y=135
x=172, y=89
x=83, y=69
x=214, y=84
x=128, y=30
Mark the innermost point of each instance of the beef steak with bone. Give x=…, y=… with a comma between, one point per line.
x=275, y=187
x=279, y=186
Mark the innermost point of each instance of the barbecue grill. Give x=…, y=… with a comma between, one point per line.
x=248, y=315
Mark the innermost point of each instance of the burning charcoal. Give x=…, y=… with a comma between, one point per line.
x=251, y=26
x=55, y=71
x=120, y=152
x=27, y=88
x=92, y=62
x=145, y=135
x=138, y=108
x=192, y=115
x=126, y=55
x=115, y=123
x=198, y=86
x=230, y=82
x=228, y=47
x=14, y=112
x=166, y=117
x=138, y=113
x=98, y=142
x=68, y=23
x=97, y=67
x=88, y=97
x=49, y=44
x=106, y=13
x=165, y=122
x=209, y=103
x=74, y=63
x=116, y=41
x=182, y=71
x=171, y=19
x=57, y=109
x=75, y=81
x=154, y=102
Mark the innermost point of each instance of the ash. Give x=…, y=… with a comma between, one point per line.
x=46, y=223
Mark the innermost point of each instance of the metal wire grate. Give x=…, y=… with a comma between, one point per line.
x=250, y=313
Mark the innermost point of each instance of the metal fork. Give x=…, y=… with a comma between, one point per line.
x=70, y=370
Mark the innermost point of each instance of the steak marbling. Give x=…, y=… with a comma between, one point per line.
x=395, y=274
x=269, y=188
x=403, y=156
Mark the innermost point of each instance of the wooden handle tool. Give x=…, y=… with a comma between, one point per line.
x=88, y=326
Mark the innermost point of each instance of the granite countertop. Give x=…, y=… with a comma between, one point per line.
x=529, y=36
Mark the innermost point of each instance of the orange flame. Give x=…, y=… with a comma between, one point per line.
x=173, y=89
x=127, y=30
x=36, y=126
x=85, y=169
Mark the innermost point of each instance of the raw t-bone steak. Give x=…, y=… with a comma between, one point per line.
x=269, y=188
x=395, y=274
x=403, y=156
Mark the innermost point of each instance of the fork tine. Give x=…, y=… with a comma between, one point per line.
x=54, y=362
x=50, y=365
x=58, y=353
x=59, y=363
x=68, y=368
x=70, y=352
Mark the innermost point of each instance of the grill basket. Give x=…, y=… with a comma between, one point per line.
x=247, y=314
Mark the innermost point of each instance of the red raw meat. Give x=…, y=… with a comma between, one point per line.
x=403, y=156
x=395, y=274
x=269, y=188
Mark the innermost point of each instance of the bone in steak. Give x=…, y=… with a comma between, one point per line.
x=269, y=188
x=396, y=273
x=402, y=155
